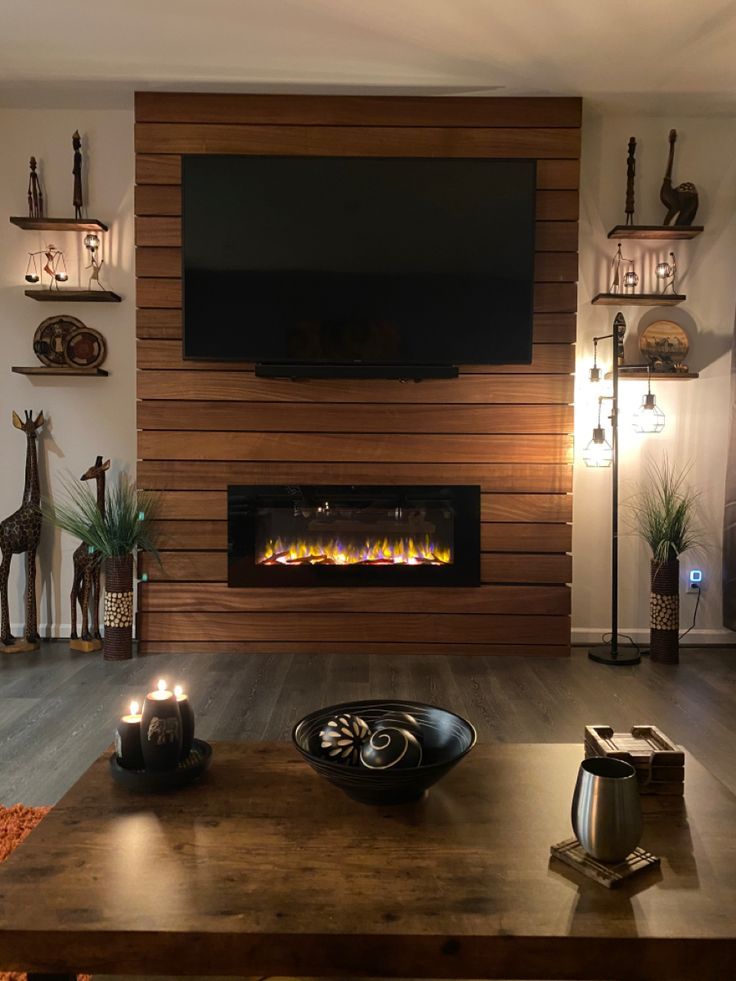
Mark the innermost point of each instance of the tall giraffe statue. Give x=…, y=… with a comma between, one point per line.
x=20, y=533
x=86, y=583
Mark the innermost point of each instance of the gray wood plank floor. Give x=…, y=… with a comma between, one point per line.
x=58, y=708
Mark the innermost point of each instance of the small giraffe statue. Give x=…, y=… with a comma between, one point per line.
x=20, y=533
x=86, y=583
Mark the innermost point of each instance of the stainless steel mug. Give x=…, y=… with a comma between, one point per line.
x=606, y=809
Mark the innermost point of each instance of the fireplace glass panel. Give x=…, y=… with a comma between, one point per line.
x=353, y=535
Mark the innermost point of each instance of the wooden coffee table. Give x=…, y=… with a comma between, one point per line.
x=264, y=869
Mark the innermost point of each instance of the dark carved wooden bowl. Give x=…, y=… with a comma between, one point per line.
x=446, y=738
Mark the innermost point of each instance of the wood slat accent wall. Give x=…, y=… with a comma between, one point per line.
x=203, y=425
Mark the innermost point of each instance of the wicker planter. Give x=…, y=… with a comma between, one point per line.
x=118, y=608
x=664, y=612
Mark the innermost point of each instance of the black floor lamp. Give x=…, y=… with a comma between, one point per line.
x=600, y=453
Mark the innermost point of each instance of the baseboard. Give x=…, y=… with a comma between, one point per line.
x=700, y=637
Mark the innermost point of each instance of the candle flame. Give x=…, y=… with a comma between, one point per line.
x=178, y=691
x=162, y=685
x=134, y=706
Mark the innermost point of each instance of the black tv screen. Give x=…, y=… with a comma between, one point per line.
x=355, y=261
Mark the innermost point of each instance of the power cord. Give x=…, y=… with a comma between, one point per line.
x=695, y=613
x=608, y=637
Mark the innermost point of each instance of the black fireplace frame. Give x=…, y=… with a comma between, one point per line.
x=244, y=572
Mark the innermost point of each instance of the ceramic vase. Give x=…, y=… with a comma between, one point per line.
x=118, y=608
x=664, y=612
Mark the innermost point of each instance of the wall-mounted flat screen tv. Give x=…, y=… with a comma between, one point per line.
x=346, y=261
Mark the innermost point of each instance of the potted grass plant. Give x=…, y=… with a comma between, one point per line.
x=115, y=534
x=664, y=513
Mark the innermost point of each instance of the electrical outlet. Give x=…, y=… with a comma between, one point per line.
x=695, y=582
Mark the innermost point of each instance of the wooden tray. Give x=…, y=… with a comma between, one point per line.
x=571, y=853
x=643, y=746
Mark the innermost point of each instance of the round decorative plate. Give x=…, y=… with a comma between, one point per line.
x=85, y=348
x=664, y=341
x=51, y=337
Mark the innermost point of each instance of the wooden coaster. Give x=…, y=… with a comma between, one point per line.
x=571, y=853
x=86, y=646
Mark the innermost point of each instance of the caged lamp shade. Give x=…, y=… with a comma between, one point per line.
x=649, y=418
x=598, y=452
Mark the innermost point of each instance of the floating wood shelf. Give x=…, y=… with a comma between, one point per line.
x=656, y=233
x=638, y=299
x=41, y=369
x=60, y=224
x=74, y=296
x=656, y=376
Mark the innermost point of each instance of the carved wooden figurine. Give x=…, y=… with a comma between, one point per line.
x=630, y=173
x=35, y=194
x=20, y=533
x=77, y=172
x=86, y=582
x=680, y=201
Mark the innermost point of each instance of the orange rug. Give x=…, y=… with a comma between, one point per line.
x=16, y=823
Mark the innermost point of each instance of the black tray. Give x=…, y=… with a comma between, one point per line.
x=187, y=771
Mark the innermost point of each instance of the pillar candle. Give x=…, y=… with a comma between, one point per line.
x=161, y=729
x=128, y=740
x=187, y=721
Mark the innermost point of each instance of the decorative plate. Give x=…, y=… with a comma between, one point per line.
x=85, y=348
x=50, y=339
x=664, y=342
x=149, y=781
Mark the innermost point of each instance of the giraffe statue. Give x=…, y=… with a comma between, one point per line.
x=86, y=583
x=20, y=533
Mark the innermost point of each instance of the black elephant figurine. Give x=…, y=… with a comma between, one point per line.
x=681, y=201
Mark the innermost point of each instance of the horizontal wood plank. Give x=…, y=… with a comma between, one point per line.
x=358, y=447
x=166, y=324
x=212, y=506
x=550, y=267
x=396, y=648
x=495, y=537
x=512, y=478
x=552, y=175
x=496, y=567
x=344, y=110
x=358, y=418
x=218, y=598
x=358, y=141
x=243, y=386
x=438, y=628
x=167, y=355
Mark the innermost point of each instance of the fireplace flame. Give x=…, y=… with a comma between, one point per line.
x=396, y=551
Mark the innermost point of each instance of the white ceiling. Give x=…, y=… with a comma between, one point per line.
x=647, y=55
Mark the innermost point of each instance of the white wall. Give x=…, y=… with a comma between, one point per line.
x=91, y=416
x=696, y=428
x=85, y=416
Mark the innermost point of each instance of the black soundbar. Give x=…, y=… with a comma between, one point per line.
x=399, y=372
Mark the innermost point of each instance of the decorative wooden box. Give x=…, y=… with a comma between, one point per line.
x=659, y=762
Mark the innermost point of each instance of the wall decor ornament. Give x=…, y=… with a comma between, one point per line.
x=85, y=348
x=630, y=174
x=665, y=346
x=681, y=201
x=86, y=578
x=623, y=280
x=54, y=265
x=35, y=192
x=20, y=533
x=50, y=337
x=666, y=272
x=77, y=197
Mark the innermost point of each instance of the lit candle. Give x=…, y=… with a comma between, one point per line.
x=161, y=729
x=187, y=720
x=128, y=740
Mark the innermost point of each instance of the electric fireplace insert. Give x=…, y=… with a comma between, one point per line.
x=370, y=535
